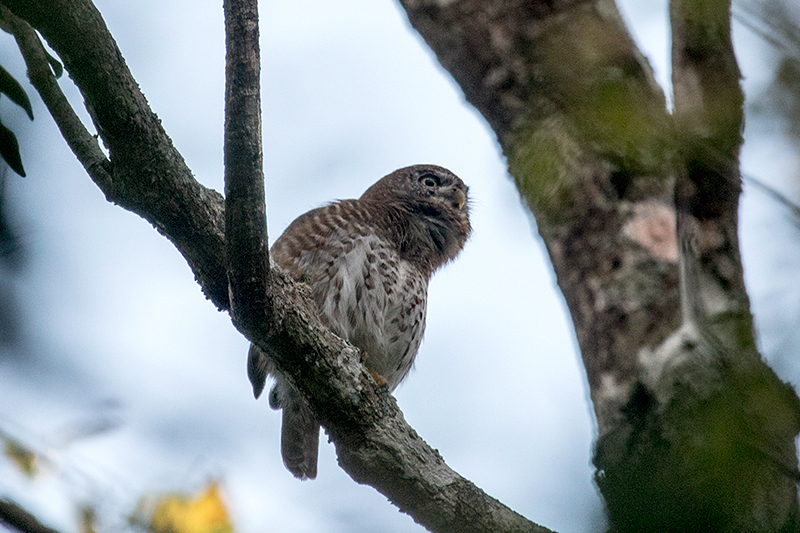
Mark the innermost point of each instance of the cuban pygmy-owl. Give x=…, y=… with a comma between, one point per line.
x=368, y=262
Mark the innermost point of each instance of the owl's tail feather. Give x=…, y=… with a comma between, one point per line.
x=299, y=434
x=299, y=430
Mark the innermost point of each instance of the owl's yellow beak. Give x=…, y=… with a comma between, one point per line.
x=460, y=198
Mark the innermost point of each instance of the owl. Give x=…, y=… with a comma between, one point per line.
x=368, y=262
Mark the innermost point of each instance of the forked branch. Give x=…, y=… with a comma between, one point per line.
x=374, y=443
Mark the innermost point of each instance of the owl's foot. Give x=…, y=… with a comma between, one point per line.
x=380, y=380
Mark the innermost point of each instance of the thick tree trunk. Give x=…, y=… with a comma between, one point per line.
x=696, y=433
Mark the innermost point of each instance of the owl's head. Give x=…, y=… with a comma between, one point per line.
x=433, y=206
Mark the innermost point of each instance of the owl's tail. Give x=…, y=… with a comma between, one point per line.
x=299, y=430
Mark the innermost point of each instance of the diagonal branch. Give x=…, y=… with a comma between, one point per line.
x=374, y=443
x=21, y=520
x=246, y=243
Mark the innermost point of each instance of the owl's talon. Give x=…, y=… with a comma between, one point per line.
x=380, y=380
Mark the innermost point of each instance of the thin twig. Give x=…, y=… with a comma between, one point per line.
x=771, y=21
x=82, y=143
x=772, y=193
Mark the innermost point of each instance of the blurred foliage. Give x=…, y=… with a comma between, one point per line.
x=11, y=260
x=178, y=513
x=24, y=458
x=29, y=458
x=10, y=243
x=87, y=519
x=786, y=92
x=9, y=147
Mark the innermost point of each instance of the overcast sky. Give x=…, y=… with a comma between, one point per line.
x=117, y=329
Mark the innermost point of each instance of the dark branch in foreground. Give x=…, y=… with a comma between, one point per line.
x=374, y=443
x=18, y=518
x=246, y=241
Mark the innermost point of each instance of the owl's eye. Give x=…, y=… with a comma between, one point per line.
x=429, y=180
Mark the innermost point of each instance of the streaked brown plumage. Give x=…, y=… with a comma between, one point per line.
x=368, y=262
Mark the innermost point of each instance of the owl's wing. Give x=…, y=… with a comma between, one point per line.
x=258, y=367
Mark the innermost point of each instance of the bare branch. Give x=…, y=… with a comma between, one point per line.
x=709, y=113
x=246, y=243
x=18, y=518
x=709, y=116
x=713, y=357
x=773, y=193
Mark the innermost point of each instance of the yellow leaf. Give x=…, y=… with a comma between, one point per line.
x=205, y=513
x=87, y=519
x=23, y=458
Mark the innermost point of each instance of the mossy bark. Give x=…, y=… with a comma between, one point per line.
x=696, y=433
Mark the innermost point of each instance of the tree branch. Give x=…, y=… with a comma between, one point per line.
x=81, y=142
x=710, y=120
x=246, y=243
x=18, y=518
x=711, y=367
x=144, y=161
x=374, y=443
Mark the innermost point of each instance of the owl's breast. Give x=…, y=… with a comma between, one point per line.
x=368, y=295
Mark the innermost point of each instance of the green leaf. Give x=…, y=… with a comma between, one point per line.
x=12, y=88
x=9, y=150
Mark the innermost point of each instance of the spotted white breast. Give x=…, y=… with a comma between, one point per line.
x=368, y=295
